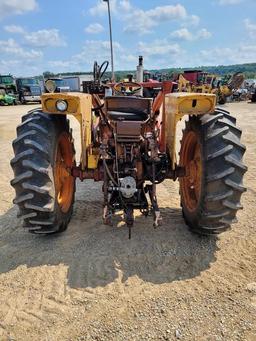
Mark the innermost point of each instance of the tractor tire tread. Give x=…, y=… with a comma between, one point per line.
x=33, y=172
x=223, y=173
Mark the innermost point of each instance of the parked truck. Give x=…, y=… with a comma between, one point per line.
x=29, y=90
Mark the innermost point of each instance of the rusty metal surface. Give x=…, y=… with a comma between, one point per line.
x=130, y=128
x=128, y=104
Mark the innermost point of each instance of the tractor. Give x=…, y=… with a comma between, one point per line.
x=8, y=83
x=203, y=82
x=128, y=142
x=226, y=88
x=7, y=98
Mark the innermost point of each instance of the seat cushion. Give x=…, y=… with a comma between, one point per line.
x=127, y=116
x=128, y=108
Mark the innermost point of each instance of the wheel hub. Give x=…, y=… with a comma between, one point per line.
x=191, y=159
x=64, y=182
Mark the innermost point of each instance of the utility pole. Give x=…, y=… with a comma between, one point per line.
x=111, y=41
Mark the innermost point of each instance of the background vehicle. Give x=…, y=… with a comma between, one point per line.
x=203, y=82
x=7, y=99
x=28, y=90
x=250, y=86
x=63, y=84
x=253, y=96
x=8, y=83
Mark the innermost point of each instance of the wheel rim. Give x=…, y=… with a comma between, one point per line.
x=191, y=159
x=64, y=181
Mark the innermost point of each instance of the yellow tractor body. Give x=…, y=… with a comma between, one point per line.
x=178, y=105
x=79, y=105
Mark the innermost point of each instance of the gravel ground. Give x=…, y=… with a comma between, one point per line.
x=92, y=283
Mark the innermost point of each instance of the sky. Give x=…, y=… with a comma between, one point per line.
x=67, y=36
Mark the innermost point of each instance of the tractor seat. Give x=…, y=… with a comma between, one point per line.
x=127, y=116
x=130, y=108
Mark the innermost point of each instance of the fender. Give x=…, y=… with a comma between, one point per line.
x=178, y=105
x=79, y=105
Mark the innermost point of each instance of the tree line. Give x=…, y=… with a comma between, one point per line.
x=248, y=69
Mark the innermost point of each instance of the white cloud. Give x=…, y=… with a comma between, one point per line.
x=45, y=38
x=125, y=5
x=101, y=8
x=14, y=29
x=203, y=34
x=185, y=35
x=190, y=21
x=166, y=13
x=158, y=48
x=250, y=50
x=139, y=21
x=61, y=65
x=92, y=49
x=182, y=34
x=229, y=2
x=12, y=48
x=124, y=58
x=94, y=28
x=130, y=58
x=161, y=53
x=251, y=28
x=242, y=53
x=16, y=7
x=42, y=38
x=193, y=20
x=19, y=68
x=142, y=22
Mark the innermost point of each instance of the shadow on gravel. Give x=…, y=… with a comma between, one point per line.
x=97, y=255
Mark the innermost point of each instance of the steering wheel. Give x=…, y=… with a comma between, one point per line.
x=99, y=71
x=127, y=88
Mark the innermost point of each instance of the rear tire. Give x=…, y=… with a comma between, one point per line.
x=22, y=100
x=211, y=191
x=44, y=154
x=222, y=100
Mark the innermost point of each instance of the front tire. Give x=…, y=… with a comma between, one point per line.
x=222, y=100
x=44, y=156
x=22, y=100
x=211, y=153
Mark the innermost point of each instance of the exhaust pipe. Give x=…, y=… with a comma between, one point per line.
x=139, y=74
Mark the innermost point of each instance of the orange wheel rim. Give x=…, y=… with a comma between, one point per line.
x=64, y=181
x=191, y=159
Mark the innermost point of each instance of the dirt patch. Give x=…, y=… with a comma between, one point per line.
x=92, y=283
